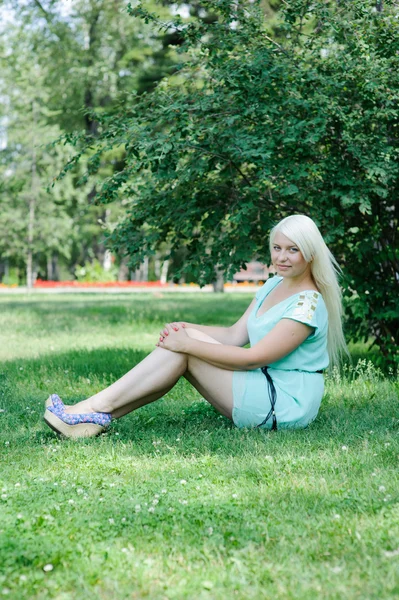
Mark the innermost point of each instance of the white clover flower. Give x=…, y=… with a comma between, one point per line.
x=337, y=516
x=183, y=481
x=151, y=509
x=235, y=495
x=171, y=509
x=155, y=501
x=48, y=568
x=123, y=520
x=6, y=443
x=111, y=521
x=4, y=496
x=137, y=508
x=336, y=569
x=344, y=448
x=210, y=530
x=391, y=553
x=71, y=501
x=381, y=488
x=163, y=491
x=17, y=485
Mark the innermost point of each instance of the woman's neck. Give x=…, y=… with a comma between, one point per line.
x=304, y=282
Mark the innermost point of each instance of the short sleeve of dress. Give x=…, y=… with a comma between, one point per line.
x=303, y=309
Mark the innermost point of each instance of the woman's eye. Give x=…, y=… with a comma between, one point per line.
x=294, y=250
x=276, y=247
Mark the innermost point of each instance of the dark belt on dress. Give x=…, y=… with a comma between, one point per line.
x=273, y=397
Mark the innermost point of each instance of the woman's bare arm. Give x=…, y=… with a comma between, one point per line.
x=279, y=342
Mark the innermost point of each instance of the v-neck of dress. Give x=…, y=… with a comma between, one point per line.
x=258, y=316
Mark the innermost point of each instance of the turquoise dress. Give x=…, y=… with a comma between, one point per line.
x=298, y=386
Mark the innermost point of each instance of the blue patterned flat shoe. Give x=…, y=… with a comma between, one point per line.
x=76, y=426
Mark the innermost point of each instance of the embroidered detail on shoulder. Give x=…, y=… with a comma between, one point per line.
x=306, y=305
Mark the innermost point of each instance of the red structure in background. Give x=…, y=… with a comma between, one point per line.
x=256, y=272
x=40, y=283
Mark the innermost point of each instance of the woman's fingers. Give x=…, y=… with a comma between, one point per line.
x=168, y=328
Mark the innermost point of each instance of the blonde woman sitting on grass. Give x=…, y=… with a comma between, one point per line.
x=294, y=329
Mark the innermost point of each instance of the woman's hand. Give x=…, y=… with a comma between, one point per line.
x=173, y=337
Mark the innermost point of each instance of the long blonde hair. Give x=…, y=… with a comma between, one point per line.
x=304, y=232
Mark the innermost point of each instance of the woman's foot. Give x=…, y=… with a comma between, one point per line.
x=74, y=425
x=80, y=408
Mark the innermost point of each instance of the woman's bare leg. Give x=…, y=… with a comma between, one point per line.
x=154, y=376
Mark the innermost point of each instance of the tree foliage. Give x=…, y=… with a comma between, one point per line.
x=262, y=125
x=59, y=62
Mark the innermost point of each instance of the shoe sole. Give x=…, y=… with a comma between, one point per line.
x=81, y=430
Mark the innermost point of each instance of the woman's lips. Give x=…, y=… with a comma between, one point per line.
x=283, y=266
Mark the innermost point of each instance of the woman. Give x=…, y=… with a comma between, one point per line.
x=294, y=328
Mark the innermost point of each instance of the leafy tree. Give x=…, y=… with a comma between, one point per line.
x=59, y=62
x=261, y=127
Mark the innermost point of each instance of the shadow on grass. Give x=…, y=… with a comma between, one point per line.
x=78, y=373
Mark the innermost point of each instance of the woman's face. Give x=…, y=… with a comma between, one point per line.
x=287, y=258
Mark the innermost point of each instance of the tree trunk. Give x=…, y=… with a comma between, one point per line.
x=164, y=271
x=107, y=261
x=123, y=272
x=56, y=270
x=141, y=274
x=49, y=268
x=31, y=207
x=218, y=284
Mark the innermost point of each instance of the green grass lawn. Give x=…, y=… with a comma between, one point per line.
x=174, y=502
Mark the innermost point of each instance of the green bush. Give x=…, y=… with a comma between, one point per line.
x=262, y=124
x=94, y=272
